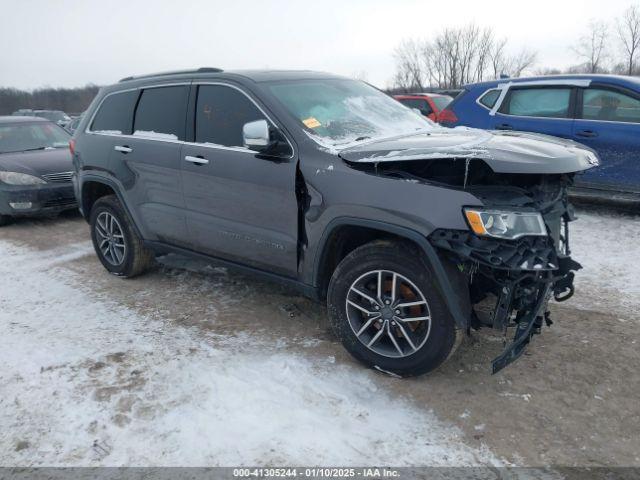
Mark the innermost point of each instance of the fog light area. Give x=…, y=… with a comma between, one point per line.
x=20, y=205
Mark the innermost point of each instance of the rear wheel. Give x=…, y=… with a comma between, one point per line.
x=384, y=306
x=4, y=220
x=115, y=240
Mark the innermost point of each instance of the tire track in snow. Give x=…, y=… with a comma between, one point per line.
x=89, y=382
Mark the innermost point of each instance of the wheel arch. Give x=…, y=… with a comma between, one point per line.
x=343, y=235
x=93, y=188
x=90, y=191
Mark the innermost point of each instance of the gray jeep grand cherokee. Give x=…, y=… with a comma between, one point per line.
x=411, y=232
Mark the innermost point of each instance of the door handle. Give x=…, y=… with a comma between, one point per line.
x=587, y=133
x=197, y=160
x=123, y=149
x=504, y=126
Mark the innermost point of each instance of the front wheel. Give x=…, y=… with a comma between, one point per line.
x=384, y=306
x=115, y=240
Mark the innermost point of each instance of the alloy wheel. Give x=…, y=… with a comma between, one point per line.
x=388, y=313
x=110, y=238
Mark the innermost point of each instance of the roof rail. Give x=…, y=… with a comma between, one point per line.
x=175, y=72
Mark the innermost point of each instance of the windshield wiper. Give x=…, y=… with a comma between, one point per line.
x=359, y=139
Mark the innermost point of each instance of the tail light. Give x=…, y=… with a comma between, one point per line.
x=447, y=116
x=72, y=146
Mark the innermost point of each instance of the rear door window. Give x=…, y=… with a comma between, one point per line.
x=610, y=105
x=221, y=112
x=538, y=102
x=115, y=114
x=161, y=113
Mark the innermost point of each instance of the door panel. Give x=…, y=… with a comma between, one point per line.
x=610, y=124
x=239, y=205
x=242, y=207
x=546, y=110
x=150, y=174
x=148, y=163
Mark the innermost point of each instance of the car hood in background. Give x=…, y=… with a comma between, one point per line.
x=37, y=162
x=504, y=152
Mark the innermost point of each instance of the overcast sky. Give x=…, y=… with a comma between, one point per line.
x=74, y=42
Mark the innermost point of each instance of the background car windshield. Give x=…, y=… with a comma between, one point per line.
x=340, y=111
x=442, y=101
x=52, y=115
x=35, y=136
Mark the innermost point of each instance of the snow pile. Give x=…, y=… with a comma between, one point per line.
x=88, y=382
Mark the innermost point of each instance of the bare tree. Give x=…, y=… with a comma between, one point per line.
x=409, y=65
x=629, y=34
x=454, y=57
x=523, y=60
x=591, y=47
x=499, y=58
x=547, y=71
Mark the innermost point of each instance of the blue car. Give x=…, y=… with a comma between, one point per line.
x=599, y=111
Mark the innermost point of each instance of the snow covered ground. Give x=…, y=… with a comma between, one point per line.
x=88, y=382
x=607, y=244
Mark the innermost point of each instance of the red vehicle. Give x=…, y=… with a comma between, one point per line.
x=429, y=104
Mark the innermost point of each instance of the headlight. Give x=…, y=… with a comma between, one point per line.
x=505, y=224
x=14, y=178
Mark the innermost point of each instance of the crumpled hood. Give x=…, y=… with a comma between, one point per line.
x=37, y=162
x=504, y=152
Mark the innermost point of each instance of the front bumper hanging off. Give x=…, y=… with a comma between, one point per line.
x=558, y=283
x=522, y=275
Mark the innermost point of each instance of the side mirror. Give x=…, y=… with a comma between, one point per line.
x=255, y=135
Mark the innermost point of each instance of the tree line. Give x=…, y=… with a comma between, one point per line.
x=70, y=100
x=468, y=54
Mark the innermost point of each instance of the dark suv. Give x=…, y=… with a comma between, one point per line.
x=412, y=233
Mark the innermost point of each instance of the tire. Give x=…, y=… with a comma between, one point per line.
x=404, y=348
x=127, y=256
x=4, y=220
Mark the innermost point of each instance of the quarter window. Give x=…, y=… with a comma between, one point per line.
x=490, y=98
x=221, y=112
x=539, y=102
x=161, y=113
x=116, y=113
x=608, y=105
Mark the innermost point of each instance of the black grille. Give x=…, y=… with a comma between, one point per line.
x=62, y=177
x=526, y=253
x=60, y=202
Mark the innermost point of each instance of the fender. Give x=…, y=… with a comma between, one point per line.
x=451, y=298
x=114, y=186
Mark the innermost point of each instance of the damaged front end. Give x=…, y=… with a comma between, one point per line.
x=512, y=275
x=514, y=256
x=510, y=283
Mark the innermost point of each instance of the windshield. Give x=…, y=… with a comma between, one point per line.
x=442, y=101
x=338, y=112
x=32, y=136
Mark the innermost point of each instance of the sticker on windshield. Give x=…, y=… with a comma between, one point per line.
x=311, y=122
